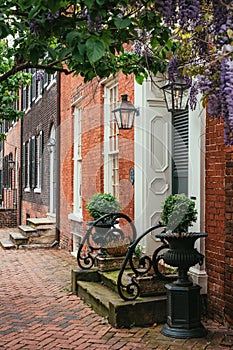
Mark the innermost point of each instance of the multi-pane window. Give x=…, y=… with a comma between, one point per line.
x=39, y=155
x=40, y=80
x=32, y=163
x=26, y=166
x=111, y=144
x=78, y=161
x=28, y=157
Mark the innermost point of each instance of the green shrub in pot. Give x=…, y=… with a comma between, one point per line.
x=101, y=204
x=178, y=213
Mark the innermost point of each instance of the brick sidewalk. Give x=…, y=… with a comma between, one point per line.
x=38, y=311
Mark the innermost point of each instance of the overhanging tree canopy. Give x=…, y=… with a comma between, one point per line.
x=101, y=37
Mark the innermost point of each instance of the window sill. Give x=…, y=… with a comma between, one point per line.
x=37, y=190
x=75, y=217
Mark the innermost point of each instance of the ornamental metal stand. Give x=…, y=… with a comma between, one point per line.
x=183, y=303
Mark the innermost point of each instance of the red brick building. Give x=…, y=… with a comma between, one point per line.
x=94, y=155
x=219, y=222
x=87, y=154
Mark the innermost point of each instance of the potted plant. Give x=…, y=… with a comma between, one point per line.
x=178, y=214
x=99, y=205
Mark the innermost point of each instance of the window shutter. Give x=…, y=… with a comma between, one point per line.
x=33, y=84
x=5, y=172
x=33, y=163
x=180, y=152
x=41, y=158
x=24, y=166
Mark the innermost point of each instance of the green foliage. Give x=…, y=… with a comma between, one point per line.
x=9, y=88
x=87, y=35
x=178, y=213
x=101, y=204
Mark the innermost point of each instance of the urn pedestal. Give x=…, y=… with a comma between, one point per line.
x=183, y=303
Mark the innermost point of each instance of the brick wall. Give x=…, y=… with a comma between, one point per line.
x=41, y=116
x=215, y=220
x=229, y=237
x=12, y=145
x=91, y=98
x=8, y=218
x=219, y=222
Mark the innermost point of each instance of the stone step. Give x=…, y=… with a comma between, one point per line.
x=27, y=230
x=43, y=223
x=6, y=243
x=141, y=312
x=18, y=238
x=149, y=285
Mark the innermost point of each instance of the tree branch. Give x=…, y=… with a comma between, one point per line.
x=25, y=65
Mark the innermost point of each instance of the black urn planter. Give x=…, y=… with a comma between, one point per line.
x=183, y=304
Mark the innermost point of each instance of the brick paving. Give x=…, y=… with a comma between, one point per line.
x=38, y=311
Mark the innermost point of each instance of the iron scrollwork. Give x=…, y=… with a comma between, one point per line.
x=128, y=288
x=109, y=228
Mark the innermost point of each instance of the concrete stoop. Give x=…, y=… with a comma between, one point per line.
x=38, y=233
x=144, y=311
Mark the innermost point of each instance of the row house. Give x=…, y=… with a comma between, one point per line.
x=69, y=147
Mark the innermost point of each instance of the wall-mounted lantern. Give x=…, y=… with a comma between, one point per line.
x=51, y=144
x=11, y=164
x=125, y=113
x=176, y=93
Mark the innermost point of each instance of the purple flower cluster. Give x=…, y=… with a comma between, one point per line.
x=193, y=96
x=188, y=10
x=173, y=67
x=167, y=9
x=96, y=24
x=226, y=75
x=140, y=45
x=39, y=75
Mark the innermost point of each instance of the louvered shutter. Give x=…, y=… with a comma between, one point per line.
x=180, y=147
x=33, y=84
x=24, y=166
x=33, y=163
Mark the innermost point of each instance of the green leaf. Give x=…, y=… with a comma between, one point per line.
x=139, y=78
x=95, y=49
x=122, y=23
x=72, y=36
x=100, y=2
x=230, y=33
x=89, y=3
x=52, y=53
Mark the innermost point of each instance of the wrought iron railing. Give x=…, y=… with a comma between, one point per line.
x=115, y=228
x=102, y=233
x=128, y=287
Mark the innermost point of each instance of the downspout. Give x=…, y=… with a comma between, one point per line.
x=58, y=137
x=21, y=173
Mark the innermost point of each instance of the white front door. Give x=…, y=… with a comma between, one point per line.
x=152, y=159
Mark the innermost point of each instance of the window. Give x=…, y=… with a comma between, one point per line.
x=111, y=179
x=38, y=157
x=78, y=161
x=26, y=166
x=180, y=151
x=49, y=79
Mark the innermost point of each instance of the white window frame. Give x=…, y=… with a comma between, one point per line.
x=39, y=146
x=27, y=168
x=111, y=136
x=77, y=198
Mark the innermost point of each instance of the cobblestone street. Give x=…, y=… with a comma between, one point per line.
x=38, y=311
